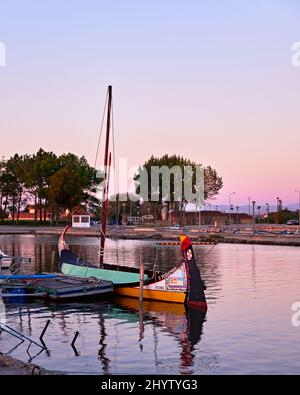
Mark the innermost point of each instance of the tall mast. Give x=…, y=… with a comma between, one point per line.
x=105, y=190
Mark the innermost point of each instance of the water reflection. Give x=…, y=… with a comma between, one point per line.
x=248, y=330
x=184, y=324
x=171, y=321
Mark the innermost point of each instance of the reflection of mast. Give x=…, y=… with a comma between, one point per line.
x=141, y=326
x=102, y=351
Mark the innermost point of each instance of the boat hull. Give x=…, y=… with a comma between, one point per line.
x=54, y=287
x=151, y=294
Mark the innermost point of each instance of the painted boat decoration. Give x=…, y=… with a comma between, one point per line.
x=5, y=261
x=53, y=287
x=182, y=284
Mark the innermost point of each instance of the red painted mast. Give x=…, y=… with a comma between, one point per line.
x=106, y=164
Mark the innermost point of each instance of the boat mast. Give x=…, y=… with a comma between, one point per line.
x=105, y=190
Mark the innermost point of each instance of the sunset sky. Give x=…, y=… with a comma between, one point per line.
x=210, y=80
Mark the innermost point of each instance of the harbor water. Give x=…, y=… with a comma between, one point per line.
x=249, y=328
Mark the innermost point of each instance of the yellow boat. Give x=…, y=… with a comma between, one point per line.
x=182, y=284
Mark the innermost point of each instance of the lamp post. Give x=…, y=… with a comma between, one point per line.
x=253, y=216
x=199, y=205
x=258, y=208
x=277, y=213
x=232, y=193
x=237, y=217
x=124, y=213
x=297, y=191
x=268, y=212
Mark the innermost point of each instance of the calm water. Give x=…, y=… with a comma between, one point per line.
x=247, y=328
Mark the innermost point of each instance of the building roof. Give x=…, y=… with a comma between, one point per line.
x=215, y=213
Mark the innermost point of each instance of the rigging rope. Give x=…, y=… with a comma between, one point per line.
x=114, y=157
x=101, y=130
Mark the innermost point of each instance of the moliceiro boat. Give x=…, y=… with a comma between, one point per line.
x=182, y=284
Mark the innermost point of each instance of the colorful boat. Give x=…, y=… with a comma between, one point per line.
x=181, y=284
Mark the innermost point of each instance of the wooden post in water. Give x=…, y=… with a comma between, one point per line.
x=52, y=261
x=141, y=280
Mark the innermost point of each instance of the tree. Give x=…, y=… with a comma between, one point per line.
x=71, y=185
x=212, y=182
x=40, y=167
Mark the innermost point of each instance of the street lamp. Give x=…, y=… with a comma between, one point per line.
x=297, y=191
x=277, y=214
x=268, y=212
x=232, y=193
x=237, y=217
x=253, y=216
x=258, y=208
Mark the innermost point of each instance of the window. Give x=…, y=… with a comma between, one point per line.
x=85, y=220
x=76, y=220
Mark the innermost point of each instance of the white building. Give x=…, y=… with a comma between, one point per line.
x=81, y=221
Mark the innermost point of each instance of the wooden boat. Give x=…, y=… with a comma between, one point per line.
x=5, y=261
x=53, y=286
x=182, y=284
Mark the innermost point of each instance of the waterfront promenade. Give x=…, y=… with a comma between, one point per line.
x=271, y=235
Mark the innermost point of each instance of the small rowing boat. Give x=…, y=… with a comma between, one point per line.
x=53, y=286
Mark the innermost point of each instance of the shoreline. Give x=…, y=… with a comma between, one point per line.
x=161, y=234
x=10, y=366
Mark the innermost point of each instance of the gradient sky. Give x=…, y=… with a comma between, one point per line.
x=211, y=80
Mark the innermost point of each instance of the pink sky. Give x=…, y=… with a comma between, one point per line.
x=212, y=82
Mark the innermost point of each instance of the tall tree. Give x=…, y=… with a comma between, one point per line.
x=71, y=185
x=212, y=182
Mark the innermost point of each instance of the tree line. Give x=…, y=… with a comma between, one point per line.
x=50, y=182
x=56, y=183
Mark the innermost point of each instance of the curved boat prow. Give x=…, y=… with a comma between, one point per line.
x=195, y=296
x=62, y=244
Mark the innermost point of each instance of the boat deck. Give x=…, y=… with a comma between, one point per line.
x=56, y=287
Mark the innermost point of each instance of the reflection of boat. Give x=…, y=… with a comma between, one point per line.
x=103, y=335
x=185, y=324
x=5, y=261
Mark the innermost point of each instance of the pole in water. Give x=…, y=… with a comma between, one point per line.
x=73, y=344
x=141, y=280
x=44, y=330
x=75, y=338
